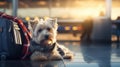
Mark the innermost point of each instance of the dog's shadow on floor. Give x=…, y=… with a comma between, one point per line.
x=43, y=64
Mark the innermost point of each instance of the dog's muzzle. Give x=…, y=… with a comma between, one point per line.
x=46, y=42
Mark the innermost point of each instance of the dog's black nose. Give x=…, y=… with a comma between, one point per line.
x=46, y=36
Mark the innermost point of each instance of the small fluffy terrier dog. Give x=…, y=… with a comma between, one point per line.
x=44, y=45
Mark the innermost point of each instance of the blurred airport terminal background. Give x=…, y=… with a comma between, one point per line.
x=70, y=13
x=63, y=9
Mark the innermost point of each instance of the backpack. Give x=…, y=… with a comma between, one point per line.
x=14, y=38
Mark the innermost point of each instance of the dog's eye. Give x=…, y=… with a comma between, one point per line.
x=39, y=30
x=48, y=29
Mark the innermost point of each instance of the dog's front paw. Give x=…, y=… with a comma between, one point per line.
x=36, y=56
x=68, y=55
x=65, y=52
x=55, y=56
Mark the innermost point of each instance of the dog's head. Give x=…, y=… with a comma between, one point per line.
x=45, y=32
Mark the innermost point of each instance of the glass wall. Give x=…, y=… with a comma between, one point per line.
x=63, y=9
x=115, y=9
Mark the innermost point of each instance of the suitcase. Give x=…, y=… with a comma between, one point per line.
x=10, y=40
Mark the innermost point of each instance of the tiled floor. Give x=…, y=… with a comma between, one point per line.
x=86, y=55
x=95, y=55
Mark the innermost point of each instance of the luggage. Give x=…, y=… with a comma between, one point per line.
x=14, y=38
x=10, y=40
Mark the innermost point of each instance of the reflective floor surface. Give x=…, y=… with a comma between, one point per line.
x=85, y=55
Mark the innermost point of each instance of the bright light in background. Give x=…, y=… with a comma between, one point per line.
x=115, y=13
x=95, y=8
x=41, y=3
x=65, y=9
x=83, y=9
x=115, y=9
x=90, y=12
x=67, y=28
x=84, y=12
x=27, y=18
x=74, y=28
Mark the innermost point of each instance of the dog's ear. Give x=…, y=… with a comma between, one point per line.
x=41, y=21
x=53, y=21
x=36, y=20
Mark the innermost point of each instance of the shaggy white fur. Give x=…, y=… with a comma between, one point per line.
x=44, y=44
